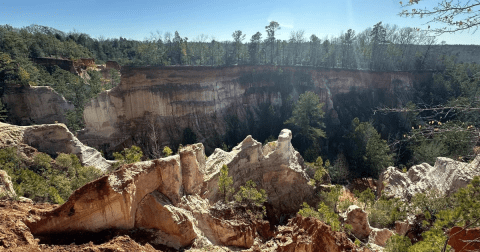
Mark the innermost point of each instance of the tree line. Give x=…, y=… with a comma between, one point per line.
x=381, y=47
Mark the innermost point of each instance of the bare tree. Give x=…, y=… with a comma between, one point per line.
x=453, y=16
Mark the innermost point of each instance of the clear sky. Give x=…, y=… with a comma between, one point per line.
x=218, y=19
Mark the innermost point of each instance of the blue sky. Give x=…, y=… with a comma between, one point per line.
x=218, y=19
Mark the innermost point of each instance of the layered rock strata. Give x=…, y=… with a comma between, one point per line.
x=51, y=139
x=35, y=105
x=170, y=197
x=175, y=98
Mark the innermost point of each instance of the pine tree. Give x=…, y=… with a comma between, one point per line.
x=225, y=183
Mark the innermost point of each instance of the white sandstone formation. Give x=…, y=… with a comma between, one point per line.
x=6, y=186
x=361, y=228
x=279, y=170
x=52, y=139
x=169, y=197
x=446, y=176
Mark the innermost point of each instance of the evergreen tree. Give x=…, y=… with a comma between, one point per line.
x=307, y=115
x=225, y=183
x=371, y=153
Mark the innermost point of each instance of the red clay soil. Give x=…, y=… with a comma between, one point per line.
x=16, y=236
x=466, y=240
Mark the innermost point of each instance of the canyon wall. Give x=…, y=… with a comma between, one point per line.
x=34, y=105
x=160, y=102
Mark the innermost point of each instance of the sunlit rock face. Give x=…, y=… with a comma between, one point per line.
x=446, y=177
x=52, y=139
x=280, y=171
x=172, y=196
x=174, y=98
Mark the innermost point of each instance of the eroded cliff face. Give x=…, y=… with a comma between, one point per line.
x=34, y=105
x=166, y=100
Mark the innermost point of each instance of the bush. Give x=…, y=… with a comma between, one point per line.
x=398, y=243
x=43, y=183
x=85, y=174
x=167, y=151
x=42, y=162
x=320, y=170
x=128, y=156
x=324, y=213
x=367, y=197
x=249, y=195
x=64, y=160
x=54, y=196
x=331, y=198
x=32, y=185
x=385, y=212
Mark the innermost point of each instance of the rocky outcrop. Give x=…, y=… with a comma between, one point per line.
x=51, y=139
x=6, y=186
x=361, y=228
x=362, y=184
x=308, y=235
x=401, y=227
x=446, y=176
x=112, y=200
x=280, y=172
x=34, y=105
x=464, y=239
x=171, y=196
x=358, y=219
x=175, y=98
x=379, y=236
x=217, y=225
x=173, y=226
x=150, y=195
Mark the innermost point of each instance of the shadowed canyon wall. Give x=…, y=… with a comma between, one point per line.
x=34, y=105
x=155, y=104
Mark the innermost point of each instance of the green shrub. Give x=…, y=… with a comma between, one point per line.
x=385, y=212
x=398, y=243
x=308, y=211
x=249, y=194
x=85, y=174
x=330, y=198
x=42, y=161
x=367, y=197
x=344, y=204
x=320, y=170
x=167, y=151
x=9, y=155
x=64, y=160
x=357, y=243
x=324, y=213
x=54, y=196
x=43, y=183
x=32, y=185
x=128, y=156
x=433, y=240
